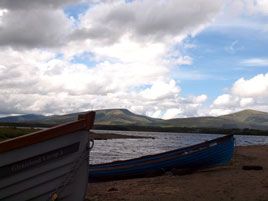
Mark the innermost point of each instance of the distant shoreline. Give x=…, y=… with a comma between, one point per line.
x=235, y=131
x=11, y=130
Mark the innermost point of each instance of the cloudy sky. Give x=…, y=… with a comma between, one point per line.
x=161, y=58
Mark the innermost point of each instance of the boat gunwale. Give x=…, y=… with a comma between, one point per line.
x=84, y=122
x=106, y=165
x=153, y=161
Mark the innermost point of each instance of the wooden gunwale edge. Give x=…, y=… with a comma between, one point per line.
x=84, y=122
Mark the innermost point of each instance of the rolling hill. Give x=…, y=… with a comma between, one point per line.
x=244, y=119
x=22, y=118
x=103, y=117
x=251, y=119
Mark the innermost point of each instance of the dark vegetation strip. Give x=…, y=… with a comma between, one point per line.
x=236, y=131
x=29, y=125
x=11, y=130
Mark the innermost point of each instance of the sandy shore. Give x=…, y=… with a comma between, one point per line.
x=224, y=183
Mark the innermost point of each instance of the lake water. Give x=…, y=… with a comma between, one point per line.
x=122, y=149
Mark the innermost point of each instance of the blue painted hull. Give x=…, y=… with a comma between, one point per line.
x=207, y=154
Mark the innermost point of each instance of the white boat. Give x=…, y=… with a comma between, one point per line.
x=48, y=165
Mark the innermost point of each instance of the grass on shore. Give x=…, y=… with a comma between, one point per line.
x=11, y=132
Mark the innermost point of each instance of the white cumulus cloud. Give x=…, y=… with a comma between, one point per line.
x=245, y=94
x=132, y=48
x=256, y=86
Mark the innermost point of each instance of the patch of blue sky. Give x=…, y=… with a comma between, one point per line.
x=218, y=54
x=211, y=88
x=140, y=88
x=254, y=22
x=86, y=58
x=130, y=1
x=247, y=30
x=59, y=56
x=74, y=10
x=229, y=48
x=195, y=83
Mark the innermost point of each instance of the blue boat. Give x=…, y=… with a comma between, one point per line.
x=207, y=154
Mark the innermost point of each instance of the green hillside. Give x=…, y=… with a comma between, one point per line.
x=106, y=117
x=123, y=117
x=22, y=118
x=245, y=119
x=251, y=119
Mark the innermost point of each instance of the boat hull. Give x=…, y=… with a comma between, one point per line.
x=43, y=171
x=207, y=154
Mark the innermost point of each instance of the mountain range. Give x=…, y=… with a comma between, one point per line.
x=251, y=119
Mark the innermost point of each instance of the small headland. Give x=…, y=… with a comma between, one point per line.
x=105, y=136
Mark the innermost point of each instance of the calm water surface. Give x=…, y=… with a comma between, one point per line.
x=122, y=149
